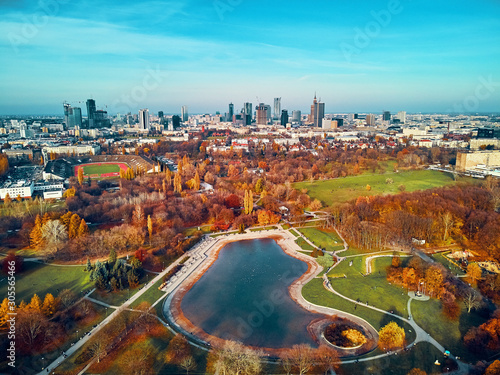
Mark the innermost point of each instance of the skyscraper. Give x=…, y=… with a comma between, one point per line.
x=387, y=116
x=184, y=113
x=66, y=113
x=144, y=119
x=297, y=117
x=261, y=117
x=160, y=114
x=247, y=111
x=176, y=122
x=402, y=116
x=317, y=113
x=284, y=117
x=277, y=108
x=370, y=120
x=230, y=113
x=91, y=113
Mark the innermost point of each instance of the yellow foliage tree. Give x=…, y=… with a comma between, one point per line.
x=49, y=305
x=80, y=175
x=36, y=235
x=4, y=310
x=83, y=228
x=391, y=337
x=35, y=303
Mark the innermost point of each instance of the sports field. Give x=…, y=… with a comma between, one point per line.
x=101, y=170
x=341, y=190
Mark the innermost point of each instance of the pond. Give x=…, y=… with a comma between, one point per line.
x=244, y=296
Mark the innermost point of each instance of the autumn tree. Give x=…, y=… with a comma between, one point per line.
x=36, y=235
x=49, y=306
x=35, y=303
x=417, y=371
x=98, y=345
x=177, y=183
x=83, y=228
x=391, y=337
x=178, y=349
x=67, y=297
x=248, y=202
x=80, y=175
x=73, y=226
x=474, y=273
x=493, y=369
x=4, y=310
x=7, y=200
x=150, y=228
x=197, y=181
x=327, y=358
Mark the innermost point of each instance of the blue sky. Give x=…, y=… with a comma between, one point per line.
x=359, y=56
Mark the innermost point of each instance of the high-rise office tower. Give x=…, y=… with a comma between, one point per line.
x=370, y=120
x=247, y=111
x=230, y=113
x=73, y=116
x=176, y=122
x=284, y=117
x=402, y=116
x=268, y=113
x=66, y=113
x=387, y=116
x=184, y=113
x=144, y=119
x=91, y=113
x=160, y=114
x=297, y=117
x=317, y=113
x=261, y=117
x=277, y=108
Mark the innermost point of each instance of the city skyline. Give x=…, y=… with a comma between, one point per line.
x=395, y=55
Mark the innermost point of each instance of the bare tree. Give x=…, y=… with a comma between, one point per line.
x=471, y=299
x=302, y=357
x=98, y=346
x=235, y=358
x=286, y=362
x=447, y=220
x=327, y=358
x=54, y=234
x=188, y=363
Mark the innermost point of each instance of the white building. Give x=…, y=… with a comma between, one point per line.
x=144, y=119
x=22, y=188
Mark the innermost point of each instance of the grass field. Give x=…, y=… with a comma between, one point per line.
x=42, y=279
x=324, y=239
x=101, y=170
x=303, y=244
x=448, y=333
x=373, y=288
x=314, y=292
x=151, y=296
x=341, y=190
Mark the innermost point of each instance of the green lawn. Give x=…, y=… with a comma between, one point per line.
x=448, y=333
x=151, y=296
x=294, y=232
x=314, y=292
x=43, y=278
x=205, y=229
x=421, y=356
x=373, y=288
x=323, y=238
x=303, y=244
x=441, y=258
x=341, y=190
x=100, y=169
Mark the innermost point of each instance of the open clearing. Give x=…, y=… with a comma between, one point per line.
x=341, y=190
